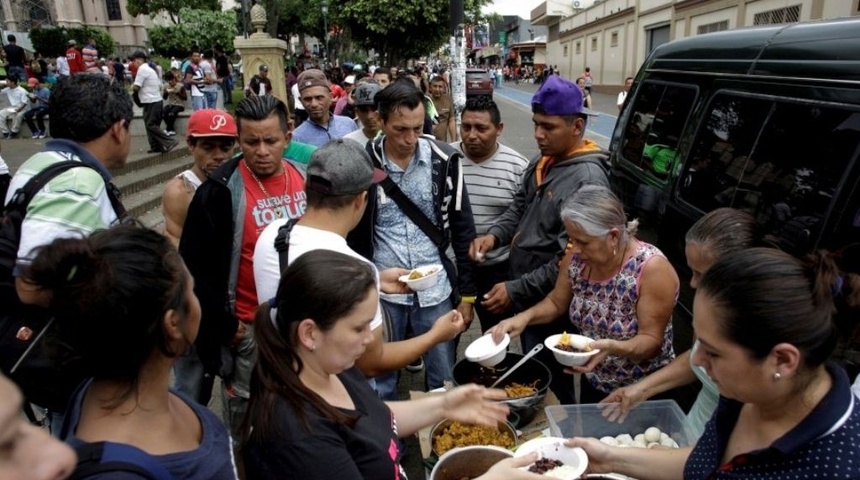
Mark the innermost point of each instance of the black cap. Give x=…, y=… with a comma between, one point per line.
x=138, y=54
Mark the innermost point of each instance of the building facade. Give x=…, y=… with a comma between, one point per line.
x=128, y=32
x=613, y=37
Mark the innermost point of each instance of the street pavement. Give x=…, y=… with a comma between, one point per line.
x=515, y=103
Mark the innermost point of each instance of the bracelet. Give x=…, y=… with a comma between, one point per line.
x=468, y=299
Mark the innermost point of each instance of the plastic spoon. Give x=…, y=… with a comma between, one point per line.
x=517, y=365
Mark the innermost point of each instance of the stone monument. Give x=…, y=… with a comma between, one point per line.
x=260, y=48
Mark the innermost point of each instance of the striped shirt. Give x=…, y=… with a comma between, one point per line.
x=91, y=58
x=75, y=203
x=492, y=185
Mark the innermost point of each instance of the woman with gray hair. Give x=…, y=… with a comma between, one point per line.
x=618, y=290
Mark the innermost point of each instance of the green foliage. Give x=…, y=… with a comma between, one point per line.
x=203, y=28
x=171, y=7
x=400, y=29
x=51, y=41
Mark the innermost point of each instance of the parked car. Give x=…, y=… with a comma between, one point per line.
x=478, y=82
x=764, y=119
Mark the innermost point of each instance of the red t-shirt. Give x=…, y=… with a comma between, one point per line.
x=287, y=200
x=75, y=59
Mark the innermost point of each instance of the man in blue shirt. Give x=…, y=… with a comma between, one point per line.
x=429, y=174
x=39, y=95
x=322, y=125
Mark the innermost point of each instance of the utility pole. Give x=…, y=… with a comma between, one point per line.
x=458, y=58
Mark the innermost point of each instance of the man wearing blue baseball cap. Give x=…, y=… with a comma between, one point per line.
x=532, y=226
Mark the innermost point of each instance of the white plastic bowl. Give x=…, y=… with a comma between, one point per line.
x=425, y=282
x=486, y=352
x=569, y=359
x=554, y=448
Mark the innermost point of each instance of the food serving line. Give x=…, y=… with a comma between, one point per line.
x=537, y=422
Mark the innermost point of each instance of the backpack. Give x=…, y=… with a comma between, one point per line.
x=46, y=371
x=102, y=457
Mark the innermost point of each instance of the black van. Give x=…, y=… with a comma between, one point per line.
x=763, y=119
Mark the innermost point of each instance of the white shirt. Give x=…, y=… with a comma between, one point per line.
x=175, y=64
x=209, y=72
x=358, y=136
x=295, y=91
x=4, y=169
x=621, y=96
x=63, y=66
x=267, y=268
x=17, y=96
x=149, y=83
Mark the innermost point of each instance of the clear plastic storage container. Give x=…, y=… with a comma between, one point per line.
x=588, y=421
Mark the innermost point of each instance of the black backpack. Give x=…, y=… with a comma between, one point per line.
x=47, y=372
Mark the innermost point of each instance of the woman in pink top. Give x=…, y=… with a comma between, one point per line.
x=618, y=291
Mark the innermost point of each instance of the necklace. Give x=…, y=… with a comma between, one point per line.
x=278, y=211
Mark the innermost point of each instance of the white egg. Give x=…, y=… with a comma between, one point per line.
x=664, y=436
x=654, y=444
x=638, y=444
x=624, y=439
x=640, y=438
x=652, y=435
x=668, y=442
x=609, y=441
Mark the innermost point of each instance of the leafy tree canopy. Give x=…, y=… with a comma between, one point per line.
x=204, y=28
x=52, y=41
x=401, y=28
x=170, y=7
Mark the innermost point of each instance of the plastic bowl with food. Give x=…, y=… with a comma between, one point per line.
x=573, y=353
x=422, y=278
x=556, y=460
x=487, y=352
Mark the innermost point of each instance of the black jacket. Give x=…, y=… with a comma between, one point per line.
x=211, y=248
x=533, y=228
x=454, y=213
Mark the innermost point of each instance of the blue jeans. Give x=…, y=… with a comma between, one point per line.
x=438, y=361
x=16, y=72
x=188, y=375
x=198, y=103
x=211, y=99
x=236, y=391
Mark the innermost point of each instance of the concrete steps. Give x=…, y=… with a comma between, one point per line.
x=142, y=180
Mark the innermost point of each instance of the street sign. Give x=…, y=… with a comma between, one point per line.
x=503, y=38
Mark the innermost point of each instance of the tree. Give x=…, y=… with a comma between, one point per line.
x=401, y=28
x=170, y=7
x=203, y=28
x=51, y=41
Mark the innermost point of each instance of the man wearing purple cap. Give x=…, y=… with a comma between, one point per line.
x=532, y=227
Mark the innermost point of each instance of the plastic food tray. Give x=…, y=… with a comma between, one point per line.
x=588, y=421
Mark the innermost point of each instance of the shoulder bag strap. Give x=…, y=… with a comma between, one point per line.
x=282, y=244
x=412, y=211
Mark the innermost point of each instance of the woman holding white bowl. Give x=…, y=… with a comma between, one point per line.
x=312, y=413
x=617, y=289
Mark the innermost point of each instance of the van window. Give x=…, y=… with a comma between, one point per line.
x=781, y=160
x=659, y=114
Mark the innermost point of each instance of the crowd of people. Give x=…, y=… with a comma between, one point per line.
x=278, y=272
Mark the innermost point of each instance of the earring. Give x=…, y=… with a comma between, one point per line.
x=313, y=347
x=777, y=376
